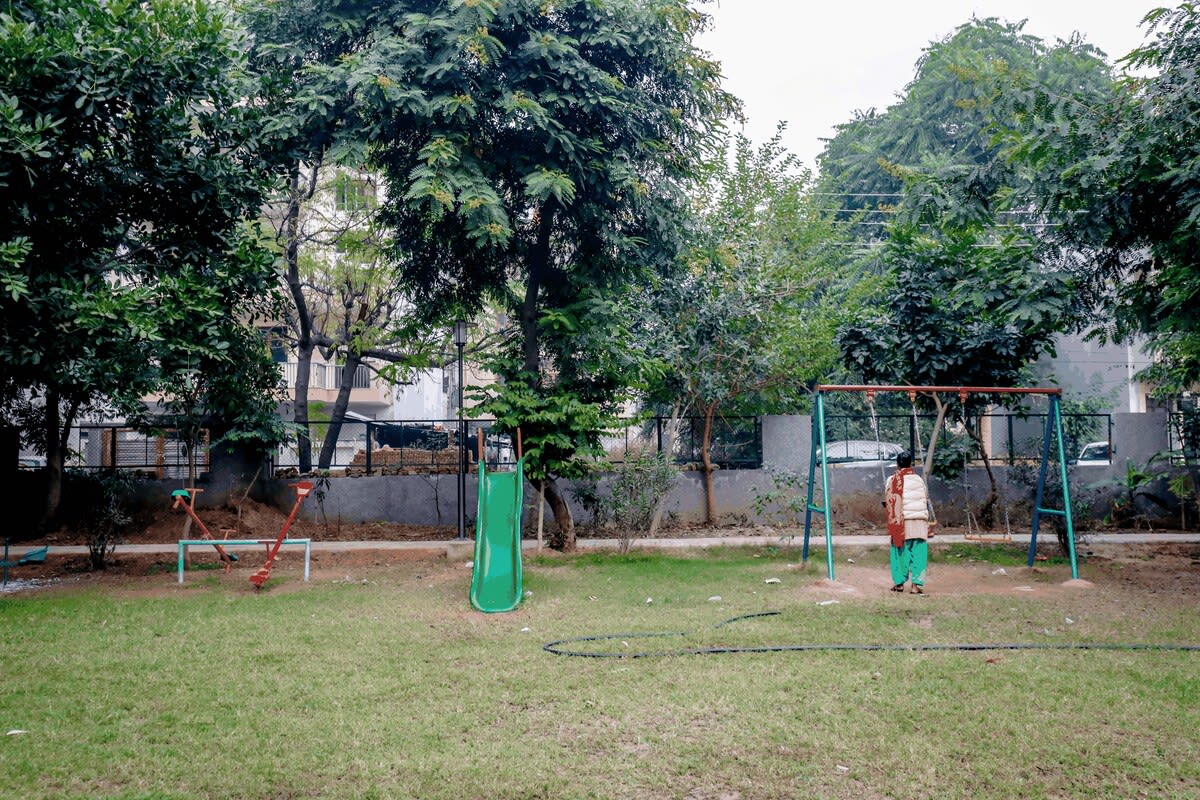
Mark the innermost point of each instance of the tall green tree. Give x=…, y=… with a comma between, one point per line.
x=748, y=322
x=944, y=125
x=298, y=57
x=347, y=302
x=537, y=155
x=1118, y=173
x=127, y=169
x=964, y=310
x=973, y=293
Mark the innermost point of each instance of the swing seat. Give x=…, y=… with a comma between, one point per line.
x=988, y=538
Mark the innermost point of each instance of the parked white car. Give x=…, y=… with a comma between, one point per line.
x=861, y=452
x=1094, y=454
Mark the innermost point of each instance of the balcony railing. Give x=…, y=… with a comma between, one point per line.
x=326, y=376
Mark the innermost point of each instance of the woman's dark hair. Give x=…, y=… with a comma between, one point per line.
x=904, y=460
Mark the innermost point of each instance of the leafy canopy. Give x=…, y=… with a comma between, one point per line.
x=126, y=172
x=1118, y=172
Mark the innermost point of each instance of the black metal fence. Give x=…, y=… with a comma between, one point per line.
x=736, y=442
x=1183, y=436
x=156, y=453
x=373, y=446
x=369, y=446
x=1011, y=437
x=421, y=446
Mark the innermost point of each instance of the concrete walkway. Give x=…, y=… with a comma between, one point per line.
x=463, y=548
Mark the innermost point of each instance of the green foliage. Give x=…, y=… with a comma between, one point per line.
x=536, y=156
x=1183, y=486
x=943, y=129
x=128, y=165
x=748, y=322
x=959, y=314
x=635, y=488
x=1138, y=492
x=1116, y=172
x=1187, y=427
x=560, y=432
x=952, y=455
x=972, y=298
x=785, y=501
x=529, y=147
x=103, y=517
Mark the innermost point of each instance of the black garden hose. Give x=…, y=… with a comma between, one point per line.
x=558, y=649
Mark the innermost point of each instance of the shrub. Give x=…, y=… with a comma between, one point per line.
x=105, y=520
x=785, y=502
x=634, y=490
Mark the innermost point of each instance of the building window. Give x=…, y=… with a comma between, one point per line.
x=278, y=344
x=353, y=194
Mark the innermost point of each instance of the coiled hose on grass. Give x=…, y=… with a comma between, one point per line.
x=559, y=648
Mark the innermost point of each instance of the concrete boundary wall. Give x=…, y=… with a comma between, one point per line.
x=856, y=490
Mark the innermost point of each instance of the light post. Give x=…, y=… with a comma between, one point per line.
x=460, y=341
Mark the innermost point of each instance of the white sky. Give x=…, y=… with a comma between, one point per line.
x=812, y=63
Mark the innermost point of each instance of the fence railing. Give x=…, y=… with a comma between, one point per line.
x=414, y=446
x=1183, y=436
x=736, y=442
x=161, y=453
x=1009, y=437
x=370, y=446
x=325, y=376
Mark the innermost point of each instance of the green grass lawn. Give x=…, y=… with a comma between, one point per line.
x=393, y=688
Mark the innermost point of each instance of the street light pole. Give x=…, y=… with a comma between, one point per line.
x=460, y=341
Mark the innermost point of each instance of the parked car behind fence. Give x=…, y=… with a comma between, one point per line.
x=860, y=452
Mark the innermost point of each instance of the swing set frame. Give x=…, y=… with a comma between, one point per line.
x=1053, y=430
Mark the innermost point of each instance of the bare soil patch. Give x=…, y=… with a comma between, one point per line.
x=1168, y=571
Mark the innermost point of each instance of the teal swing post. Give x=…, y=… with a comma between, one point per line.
x=1054, y=430
x=1054, y=427
x=818, y=444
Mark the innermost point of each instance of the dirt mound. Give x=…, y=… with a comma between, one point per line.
x=255, y=521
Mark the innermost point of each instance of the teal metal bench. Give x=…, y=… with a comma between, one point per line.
x=184, y=544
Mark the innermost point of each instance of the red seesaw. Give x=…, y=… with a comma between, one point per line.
x=187, y=499
x=303, y=488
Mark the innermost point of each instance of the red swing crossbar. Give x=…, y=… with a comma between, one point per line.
x=303, y=489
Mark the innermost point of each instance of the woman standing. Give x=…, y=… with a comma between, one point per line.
x=907, y=503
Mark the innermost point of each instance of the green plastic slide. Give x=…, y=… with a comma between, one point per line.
x=496, y=580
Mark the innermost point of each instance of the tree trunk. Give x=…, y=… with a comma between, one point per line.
x=338, y=416
x=541, y=513
x=539, y=260
x=987, y=512
x=927, y=467
x=54, y=462
x=668, y=454
x=563, y=538
x=300, y=408
x=304, y=337
x=57, y=434
x=710, y=506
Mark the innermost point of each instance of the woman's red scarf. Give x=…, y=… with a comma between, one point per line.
x=895, y=506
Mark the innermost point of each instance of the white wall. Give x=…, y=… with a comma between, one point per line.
x=429, y=396
x=1087, y=369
